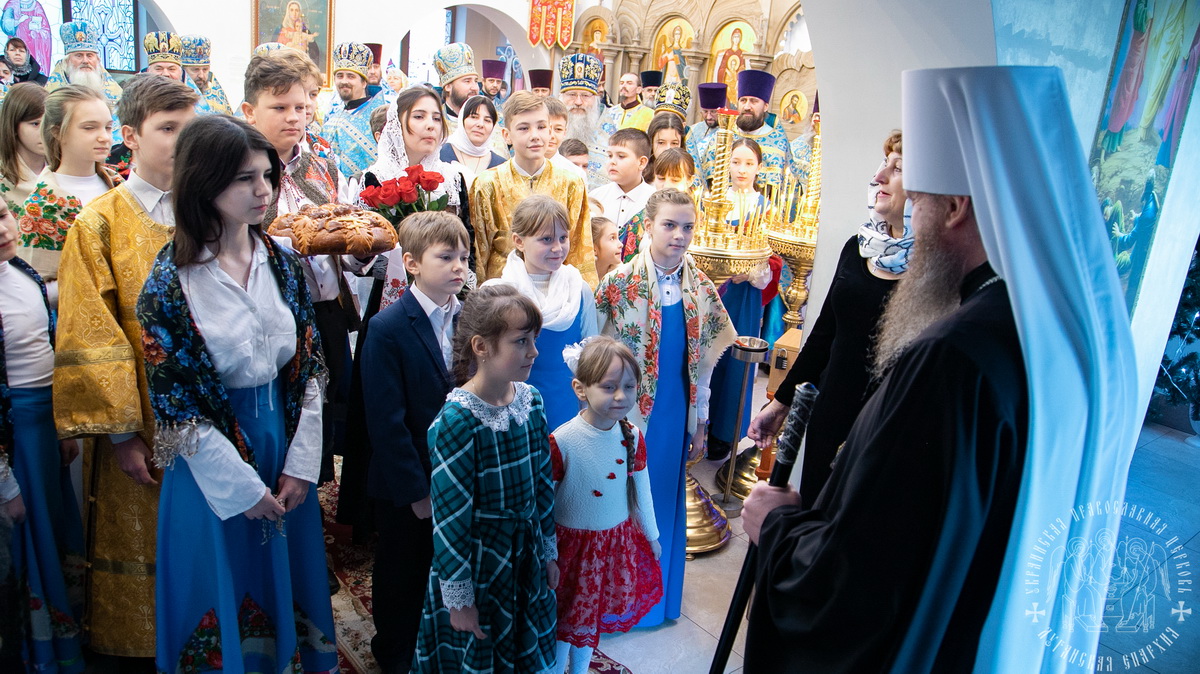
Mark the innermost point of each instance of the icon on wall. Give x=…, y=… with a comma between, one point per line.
x=303, y=25
x=673, y=37
x=729, y=54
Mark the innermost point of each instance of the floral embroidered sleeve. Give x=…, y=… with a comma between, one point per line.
x=47, y=218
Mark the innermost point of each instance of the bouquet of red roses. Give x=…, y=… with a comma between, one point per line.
x=400, y=197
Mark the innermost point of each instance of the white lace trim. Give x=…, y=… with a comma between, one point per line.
x=393, y=159
x=457, y=594
x=493, y=416
x=551, y=548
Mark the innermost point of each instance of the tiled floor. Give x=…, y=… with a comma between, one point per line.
x=1164, y=477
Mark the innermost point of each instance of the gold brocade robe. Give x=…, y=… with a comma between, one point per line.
x=100, y=389
x=495, y=195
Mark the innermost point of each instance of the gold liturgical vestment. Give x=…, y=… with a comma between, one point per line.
x=100, y=389
x=495, y=196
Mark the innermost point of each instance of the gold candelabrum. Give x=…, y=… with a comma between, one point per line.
x=720, y=249
x=792, y=228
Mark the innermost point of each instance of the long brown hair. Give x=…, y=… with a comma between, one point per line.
x=60, y=108
x=209, y=154
x=486, y=313
x=24, y=102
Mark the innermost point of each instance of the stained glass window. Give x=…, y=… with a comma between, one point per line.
x=116, y=21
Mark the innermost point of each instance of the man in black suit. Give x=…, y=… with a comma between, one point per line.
x=406, y=363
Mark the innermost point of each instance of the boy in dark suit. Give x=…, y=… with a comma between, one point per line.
x=406, y=364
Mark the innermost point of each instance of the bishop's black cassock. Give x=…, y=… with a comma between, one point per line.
x=895, y=566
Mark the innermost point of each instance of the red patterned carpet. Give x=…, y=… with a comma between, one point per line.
x=352, y=603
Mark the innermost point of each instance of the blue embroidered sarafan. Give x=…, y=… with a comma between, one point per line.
x=185, y=389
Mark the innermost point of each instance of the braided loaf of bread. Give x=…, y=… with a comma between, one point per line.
x=335, y=229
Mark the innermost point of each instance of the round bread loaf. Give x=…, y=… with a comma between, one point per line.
x=335, y=229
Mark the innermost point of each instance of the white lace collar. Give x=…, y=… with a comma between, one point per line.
x=496, y=417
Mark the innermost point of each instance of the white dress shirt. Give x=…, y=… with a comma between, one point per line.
x=249, y=334
x=562, y=163
x=442, y=319
x=28, y=357
x=154, y=201
x=620, y=206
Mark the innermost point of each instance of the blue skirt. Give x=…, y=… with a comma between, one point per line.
x=47, y=548
x=666, y=459
x=744, y=304
x=239, y=595
x=550, y=374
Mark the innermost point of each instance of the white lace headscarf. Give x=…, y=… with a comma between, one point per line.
x=393, y=159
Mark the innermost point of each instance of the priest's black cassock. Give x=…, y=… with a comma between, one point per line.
x=895, y=566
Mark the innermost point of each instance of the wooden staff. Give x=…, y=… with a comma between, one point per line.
x=785, y=458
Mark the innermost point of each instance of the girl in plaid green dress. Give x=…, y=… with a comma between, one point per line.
x=490, y=605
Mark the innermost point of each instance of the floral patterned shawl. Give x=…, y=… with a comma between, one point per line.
x=6, y=421
x=185, y=389
x=630, y=307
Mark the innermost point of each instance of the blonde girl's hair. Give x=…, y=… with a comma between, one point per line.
x=537, y=213
x=60, y=108
x=487, y=313
x=597, y=356
x=670, y=196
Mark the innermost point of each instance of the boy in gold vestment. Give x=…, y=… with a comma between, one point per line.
x=497, y=191
x=100, y=377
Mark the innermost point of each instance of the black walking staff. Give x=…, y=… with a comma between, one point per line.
x=785, y=458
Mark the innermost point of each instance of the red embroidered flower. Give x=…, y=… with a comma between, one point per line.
x=596, y=492
x=620, y=461
x=631, y=293
x=33, y=210
x=693, y=327
x=214, y=659
x=645, y=403
x=611, y=293
x=612, y=476
x=389, y=193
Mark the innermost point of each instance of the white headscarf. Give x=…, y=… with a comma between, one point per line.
x=393, y=159
x=561, y=303
x=462, y=142
x=1005, y=136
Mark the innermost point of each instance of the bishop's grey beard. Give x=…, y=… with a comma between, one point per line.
x=92, y=79
x=926, y=293
x=582, y=125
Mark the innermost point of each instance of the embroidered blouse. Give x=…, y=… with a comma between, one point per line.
x=249, y=334
x=591, y=471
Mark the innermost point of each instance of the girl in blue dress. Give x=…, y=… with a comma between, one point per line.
x=236, y=384
x=668, y=313
x=742, y=296
x=42, y=627
x=535, y=267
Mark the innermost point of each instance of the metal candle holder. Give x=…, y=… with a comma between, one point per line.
x=751, y=351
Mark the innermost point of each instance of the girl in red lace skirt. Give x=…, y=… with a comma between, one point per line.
x=607, y=538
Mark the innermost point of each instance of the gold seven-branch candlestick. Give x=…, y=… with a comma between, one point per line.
x=792, y=232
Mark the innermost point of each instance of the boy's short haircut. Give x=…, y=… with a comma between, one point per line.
x=674, y=162
x=425, y=229
x=300, y=62
x=572, y=147
x=520, y=103
x=146, y=94
x=271, y=73
x=555, y=108
x=634, y=140
x=378, y=119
